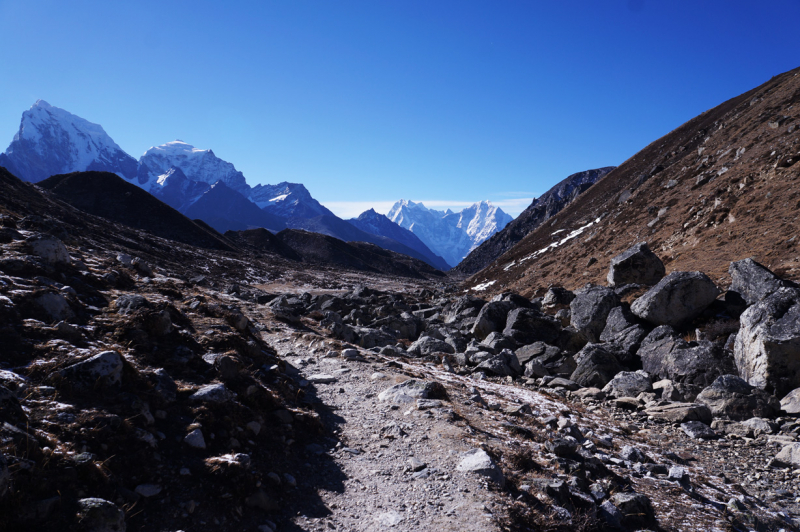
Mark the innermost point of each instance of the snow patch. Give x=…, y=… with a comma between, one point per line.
x=483, y=286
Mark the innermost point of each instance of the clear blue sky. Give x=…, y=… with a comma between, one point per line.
x=373, y=101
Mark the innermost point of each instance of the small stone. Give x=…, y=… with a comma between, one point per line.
x=254, y=426
x=212, y=393
x=321, y=378
x=416, y=464
x=148, y=490
x=678, y=474
x=479, y=462
x=698, y=430
x=195, y=439
x=99, y=515
x=290, y=480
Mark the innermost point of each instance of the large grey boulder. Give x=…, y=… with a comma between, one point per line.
x=526, y=325
x=753, y=281
x=680, y=412
x=695, y=365
x=212, y=394
x=492, y=317
x=427, y=345
x=636, y=509
x=540, y=359
x=767, y=347
x=732, y=397
x=791, y=402
x=628, y=384
x=789, y=455
x=102, y=369
x=478, y=462
x=53, y=306
x=596, y=366
x=49, y=249
x=622, y=329
x=590, y=308
x=636, y=265
x=467, y=306
x=676, y=299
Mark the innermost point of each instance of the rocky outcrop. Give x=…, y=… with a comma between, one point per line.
x=731, y=397
x=753, y=281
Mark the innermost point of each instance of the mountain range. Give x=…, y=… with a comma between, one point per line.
x=51, y=141
x=450, y=234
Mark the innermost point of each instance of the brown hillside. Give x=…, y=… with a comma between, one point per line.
x=721, y=187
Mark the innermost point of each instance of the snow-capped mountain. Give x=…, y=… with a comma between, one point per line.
x=378, y=224
x=54, y=141
x=451, y=235
x=289, y=200
x=198, y=165
x=224, y=209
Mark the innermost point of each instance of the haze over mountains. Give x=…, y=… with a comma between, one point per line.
x=52, y=141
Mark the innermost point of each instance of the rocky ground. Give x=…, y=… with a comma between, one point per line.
x=168, y=388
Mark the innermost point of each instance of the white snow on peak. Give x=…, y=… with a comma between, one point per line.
x=279, y=198
x=451, y=235
x=196, y=164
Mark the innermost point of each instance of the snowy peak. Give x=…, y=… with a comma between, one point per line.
x=289, y=200
x=198, y=165
x=452, y=235
x=53, y=141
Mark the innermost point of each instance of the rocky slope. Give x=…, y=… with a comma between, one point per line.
x=540, y=210
x=378, y=224
x=451, y=235
x=150, y=385
x=53, y=141
x=722, y=187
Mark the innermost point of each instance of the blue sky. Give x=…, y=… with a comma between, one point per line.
x=447, y=102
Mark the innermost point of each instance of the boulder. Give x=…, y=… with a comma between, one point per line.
x=411, y=390
x=478, y=462
x=557, y=297
x=636, y=509
x=590, y=308
x=53, y=307
x=697, y=430
x=497, y=341
x=498, y=365
x=212, y=393
x=535, y=350
x=48, y=248
x=789, y=456
x=128, y=303
x=676, y=299
x=99, y=515
x=791, y=402
x=732, y=397
x=753, y=281
x=680, y=412
x=463, y=307
x=492, y=317
x=636, y=265
x=102, y=369
x=596, y=366
x=694, y=365
x=10, y=409
x=427, y=345
x=527, y=325
x=768, y=342
x=628, y=384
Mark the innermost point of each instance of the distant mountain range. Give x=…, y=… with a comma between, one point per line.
x=51, y=141
x=449, y=234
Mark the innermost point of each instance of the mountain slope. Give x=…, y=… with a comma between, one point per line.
x=177, y=190
x=224, y=209
x=449, y=234
x=320, y=248
x=722, y=187
x=336, y=227
x=378, y=224
x=111, y=197
x=288, y=200
x=53, y=141
x=539, y=211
